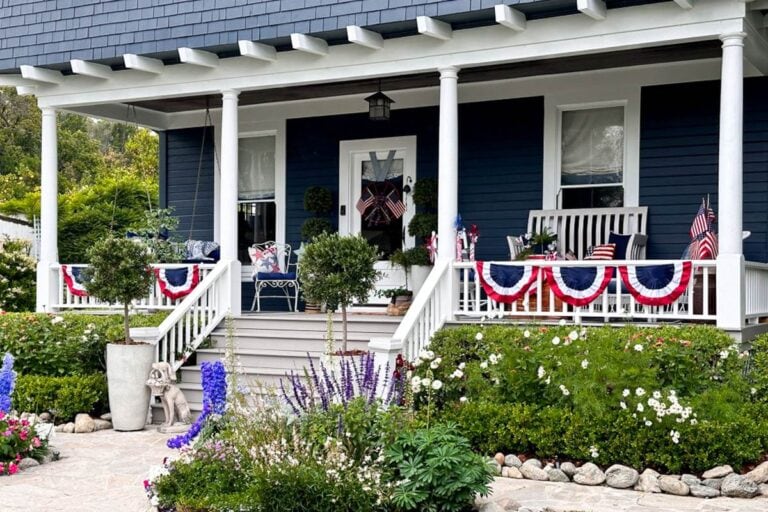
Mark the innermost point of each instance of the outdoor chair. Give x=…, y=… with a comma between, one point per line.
x=273, y=269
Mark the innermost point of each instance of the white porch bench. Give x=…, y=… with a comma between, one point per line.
x=578, y=230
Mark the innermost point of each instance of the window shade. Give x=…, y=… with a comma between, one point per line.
x=256, y=176
x=592, y=146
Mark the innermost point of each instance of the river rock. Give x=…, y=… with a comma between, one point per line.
x=84, y=424
x=702, y=491
x=621, y=477
x=569, y=468
x=557, y=475
x=759, y=475
x=491, y=507
x=27, y=462
x=737, y=486
x=513, y=472
x=499, y=457
x=508, y=504
x=717, y=472
x=45, y=417
x=714, y=483
x=589, y=474
x=532, y=472
x=763, y=489
x=496, y=466
x=533, y=462
x=99, y=424
x=512, y=461
x=68, y=428
x=672, y=485
x=106, y=416
x=690, y=480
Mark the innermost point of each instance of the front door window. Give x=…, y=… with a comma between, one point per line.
x=381, y=205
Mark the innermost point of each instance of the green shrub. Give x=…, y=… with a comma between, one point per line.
x=17, y=276
x=677, y=399
x=314, y=227
x=64, y=397
x=437, y=470
x=67, y=344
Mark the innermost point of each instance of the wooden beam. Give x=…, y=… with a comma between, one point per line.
x=434, y=28
x=198, y=58
x=144, y=64
x=257, y=51
x=510, y=18
x=595, y=9
x=365, y=37
x=309, y=44
x=48, y=76
x=81, y=67
x=685, y=4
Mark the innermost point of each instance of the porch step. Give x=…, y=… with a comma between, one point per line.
x=270, y=345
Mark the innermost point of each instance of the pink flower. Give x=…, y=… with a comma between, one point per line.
x=13, y=469
x=36, y=442
x=23, y=435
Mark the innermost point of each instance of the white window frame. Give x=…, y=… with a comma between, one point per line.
x=600, y=97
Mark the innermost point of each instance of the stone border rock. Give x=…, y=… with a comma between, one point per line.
x=718, y=481
x=84, y=424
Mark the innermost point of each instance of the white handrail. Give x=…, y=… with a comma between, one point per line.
x=195, y=317
x=429, y=311
x=756, y=290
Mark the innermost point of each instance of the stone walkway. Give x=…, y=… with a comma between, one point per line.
x=561, y=497
x=97, y=472
x=105, y=470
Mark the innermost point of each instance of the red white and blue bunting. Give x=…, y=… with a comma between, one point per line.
x=656, y=285
x=506, y=283
x=578, y=286
x=176, y=283
x=74, y=279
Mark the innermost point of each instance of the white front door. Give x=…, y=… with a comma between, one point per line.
x=372, y=175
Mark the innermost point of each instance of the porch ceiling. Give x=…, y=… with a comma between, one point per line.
x=636, y=57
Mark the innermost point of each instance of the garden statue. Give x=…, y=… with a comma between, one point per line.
x=161, y=379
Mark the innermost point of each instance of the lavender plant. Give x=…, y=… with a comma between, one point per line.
x=214, y=381
x=319, y=387
x=7, y=383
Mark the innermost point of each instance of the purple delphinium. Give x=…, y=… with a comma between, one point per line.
x=7, y=383
x=214, y=381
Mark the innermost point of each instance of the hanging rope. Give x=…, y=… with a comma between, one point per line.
x=207, y=122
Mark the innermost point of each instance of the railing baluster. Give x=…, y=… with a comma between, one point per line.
x=705, y=290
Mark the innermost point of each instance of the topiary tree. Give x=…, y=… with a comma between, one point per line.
x=119, y=273
x=318, y=201
x=336, y=270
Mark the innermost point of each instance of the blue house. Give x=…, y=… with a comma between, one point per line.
x=584, y=117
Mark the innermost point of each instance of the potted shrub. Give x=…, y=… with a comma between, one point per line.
x=337, y=270
x=424, y=221
x=415, y=262
x=120, y=273
x=399, y=300
x=319, y=202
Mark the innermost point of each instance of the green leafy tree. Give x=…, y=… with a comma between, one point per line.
x=336, y=270
x=119, y=273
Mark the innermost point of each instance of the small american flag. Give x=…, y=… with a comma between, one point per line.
x=707, y=247
x=394, y=204
x=365, y=201
x=700, y=222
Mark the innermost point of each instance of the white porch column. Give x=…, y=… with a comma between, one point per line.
x=47, y=284
x=730, y=262
x=448, y=163
x=228, y=192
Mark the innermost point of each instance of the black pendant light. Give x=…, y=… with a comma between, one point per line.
x=378, y=105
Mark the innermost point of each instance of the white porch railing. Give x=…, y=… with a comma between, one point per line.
x=429, y=311
x=155, y=300
x=756, y=290
x=697, y=303
x=196, y=316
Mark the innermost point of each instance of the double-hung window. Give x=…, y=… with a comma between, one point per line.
x=256, y=216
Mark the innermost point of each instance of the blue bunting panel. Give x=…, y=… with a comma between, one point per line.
x=176, y=283
x=656, y=285
x=74, y=279
x=578, y=286
x=504, y=282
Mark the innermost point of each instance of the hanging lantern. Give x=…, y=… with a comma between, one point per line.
x=378, y=106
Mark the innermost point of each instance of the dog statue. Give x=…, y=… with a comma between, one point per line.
x=175, y=406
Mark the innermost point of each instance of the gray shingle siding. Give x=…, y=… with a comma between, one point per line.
x=51, y=32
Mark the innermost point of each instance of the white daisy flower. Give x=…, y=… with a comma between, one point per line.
x=479, y=336
x=556, y=340
x=584, y=364
x=437, y=384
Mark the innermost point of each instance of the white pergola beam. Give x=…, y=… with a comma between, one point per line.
x=26, y=90
x=595, y=9
x=309, y=44
x=81, y=67
x=47, y=76
x=434, y=28
x=198, y=58
x=258, y=51
x=143, y=64
x=365, y=37
x=510, y=18
x=685, y=4
x=14, y=81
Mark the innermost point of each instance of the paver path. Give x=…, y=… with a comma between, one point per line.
x=102, y=471
x=561, y=497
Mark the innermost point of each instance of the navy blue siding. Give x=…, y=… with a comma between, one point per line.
x=500, y=161
x=180, y=150
x=678, y=162
x=50, y=32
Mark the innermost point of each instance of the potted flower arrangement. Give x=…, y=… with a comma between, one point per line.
x=542, y=244
x=399, y=300
x=337, y=270
x=120, y=273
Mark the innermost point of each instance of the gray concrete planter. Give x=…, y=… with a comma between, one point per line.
x=128, y=367
x=419, y=274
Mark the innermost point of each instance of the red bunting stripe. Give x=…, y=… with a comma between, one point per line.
x=657, y=285
x=506, y=283
x=72, y=278
x=183, y=289
x=578, y=286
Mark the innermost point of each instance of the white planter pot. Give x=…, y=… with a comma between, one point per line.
x=128, y=368
x=419, y=274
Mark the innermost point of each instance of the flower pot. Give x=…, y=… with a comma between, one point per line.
x=128, y=367
x=419, y=274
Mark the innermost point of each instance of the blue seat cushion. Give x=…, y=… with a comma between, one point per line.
x=275, y=276
x=621, y=241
